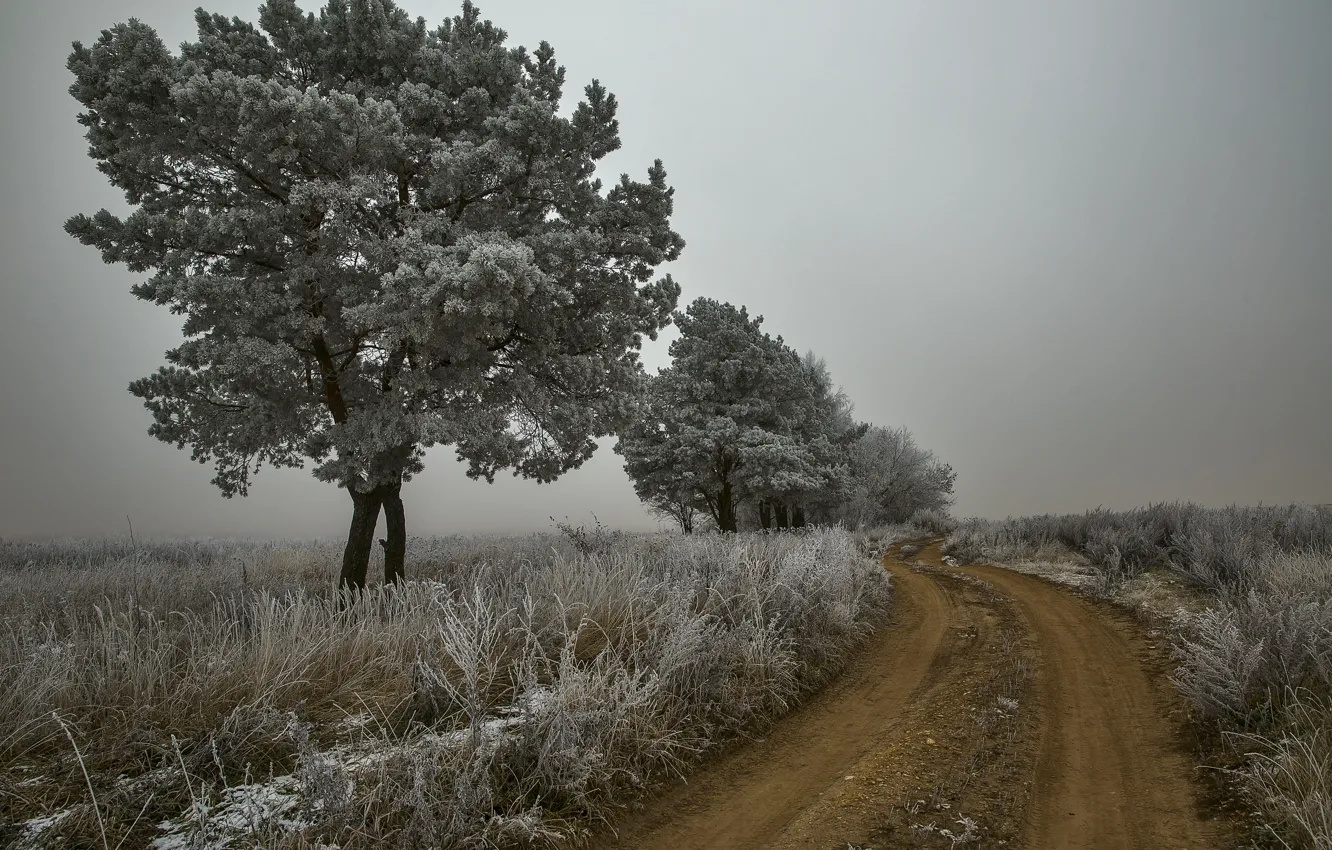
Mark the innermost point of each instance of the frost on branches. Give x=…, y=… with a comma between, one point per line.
x=382, y=237
x=737, y=418
x=894, y=478
x=740, y=421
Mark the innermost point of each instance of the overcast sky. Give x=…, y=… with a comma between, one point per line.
x=1082, y=250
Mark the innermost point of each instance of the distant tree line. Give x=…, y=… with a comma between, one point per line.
x=742, y=431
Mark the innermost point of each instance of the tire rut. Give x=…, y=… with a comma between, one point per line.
x=1111, y=772
x=1100, y=765
x=746, y=797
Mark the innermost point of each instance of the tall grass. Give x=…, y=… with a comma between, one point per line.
x=515, y=693
x=1256, y=662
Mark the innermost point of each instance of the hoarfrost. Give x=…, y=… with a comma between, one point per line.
x=33, y=829
x=243, y=810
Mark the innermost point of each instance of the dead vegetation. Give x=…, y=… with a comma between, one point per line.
x=1246, y=597
x=518, y=692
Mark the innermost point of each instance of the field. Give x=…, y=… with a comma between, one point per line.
x=1156, y=677
x=514, y=693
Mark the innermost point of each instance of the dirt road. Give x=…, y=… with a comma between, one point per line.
x=996, y=709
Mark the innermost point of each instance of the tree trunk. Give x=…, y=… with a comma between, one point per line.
x=797, y=516
x=725, y=509
x=783, y=519
x=360, y=539
x=395, y=525
x=765, y=514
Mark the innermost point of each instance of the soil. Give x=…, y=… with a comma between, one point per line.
x=996, y=710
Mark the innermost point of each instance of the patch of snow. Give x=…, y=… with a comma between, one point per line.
x=361, y=757
x=159, y=778
x=243, y=810
x=33, y=829
x=1070, y=574
x=356, y=721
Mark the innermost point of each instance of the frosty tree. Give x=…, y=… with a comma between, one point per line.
x=727, y=422
x=382, y=237
x=893, y=477
x=825, y=430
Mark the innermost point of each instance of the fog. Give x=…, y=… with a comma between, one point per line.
x=1083, y=251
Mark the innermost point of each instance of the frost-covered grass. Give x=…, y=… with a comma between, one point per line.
x=512, y=694
x=1218, y=550
x=1255, y=657
x=1257, y=665
x=925, y=523
x=878, y=540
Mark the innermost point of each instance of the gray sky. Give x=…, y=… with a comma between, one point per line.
x=1082, y=250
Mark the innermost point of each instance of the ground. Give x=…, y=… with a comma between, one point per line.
x=998, y=710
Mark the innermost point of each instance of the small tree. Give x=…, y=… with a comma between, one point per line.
x=682, y=507
x=893, y=478
x=383, y=237
x=723, y=422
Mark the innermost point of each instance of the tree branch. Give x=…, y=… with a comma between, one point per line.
x=254, y=178
x=352, y=353
x=514, y=334
x=244, y=258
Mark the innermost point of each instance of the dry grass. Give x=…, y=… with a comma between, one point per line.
x=876, y=542
x=212, y=694
x=1251, y=590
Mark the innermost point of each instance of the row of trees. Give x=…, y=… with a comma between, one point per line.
x=385, y=237
x=742, y=431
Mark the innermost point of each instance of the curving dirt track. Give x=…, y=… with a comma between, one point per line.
x=1092, y=760
x=1112, y=770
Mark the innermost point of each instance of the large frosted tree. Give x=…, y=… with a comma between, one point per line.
x=382, y=237
x=727, y=421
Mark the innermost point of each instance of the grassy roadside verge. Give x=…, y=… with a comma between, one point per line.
x=1245, y=598
x=514, y=694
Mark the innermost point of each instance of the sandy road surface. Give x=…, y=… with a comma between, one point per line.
x=1112, y=768
x=746, y=798
x=1102, y=764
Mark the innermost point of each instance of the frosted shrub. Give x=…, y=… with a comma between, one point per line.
x=1004, y=541
x=933, y=520
x=1244, y=653
x=1289, y=775
x=1259, y=666
x=1219, y=550
x=1298, y=574
x=876, y=541
x=1220, y=554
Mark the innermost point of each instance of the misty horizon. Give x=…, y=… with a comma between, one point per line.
x=1082, y=254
